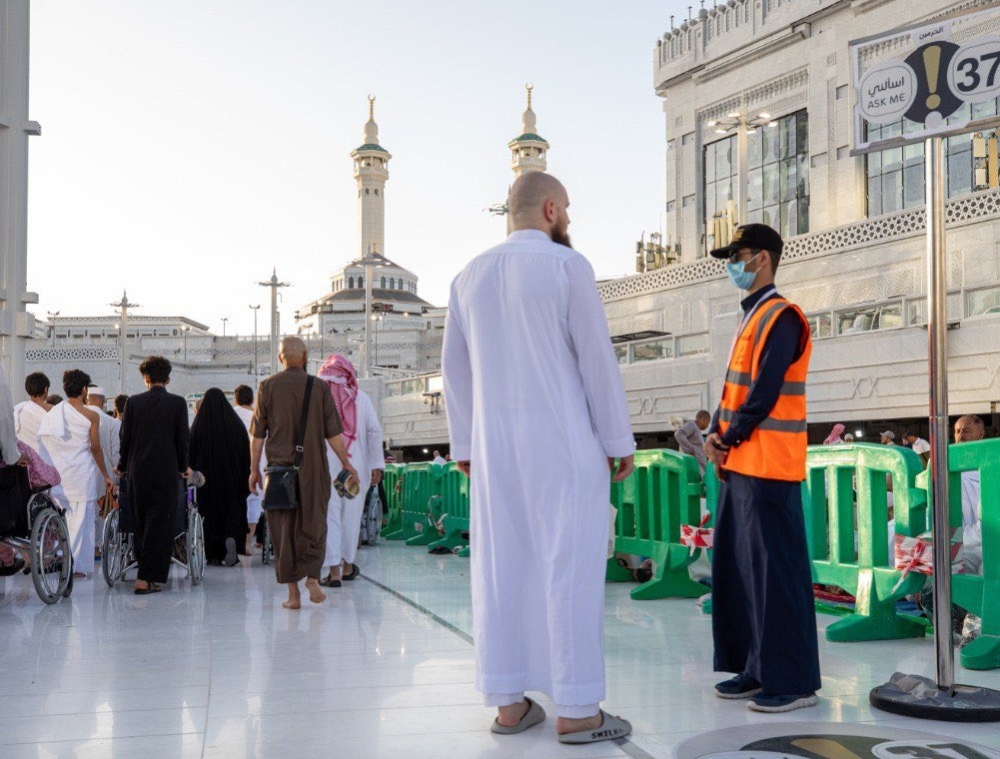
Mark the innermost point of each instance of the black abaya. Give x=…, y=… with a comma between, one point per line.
x=220, y=450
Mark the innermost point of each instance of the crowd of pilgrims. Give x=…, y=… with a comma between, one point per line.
x=71, y=442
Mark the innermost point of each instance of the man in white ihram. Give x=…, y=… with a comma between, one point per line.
x=537, y=416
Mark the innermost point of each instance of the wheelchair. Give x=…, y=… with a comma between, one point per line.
x=34, y=526
x=371, y=519
x=118, y=538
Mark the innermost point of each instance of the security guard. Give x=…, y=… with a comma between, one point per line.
x=763, y=618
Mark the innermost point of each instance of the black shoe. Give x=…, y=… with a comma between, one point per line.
x=768, y=703
x=12, y=569
x=741, y=686
x=232, y=558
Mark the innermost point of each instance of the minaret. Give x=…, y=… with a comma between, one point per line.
x=528, y=149
x=371, y=170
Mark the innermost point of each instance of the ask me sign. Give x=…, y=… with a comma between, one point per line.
x=922, y=75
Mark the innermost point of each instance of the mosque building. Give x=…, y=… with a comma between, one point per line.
x=399, y=317
x=758, y=100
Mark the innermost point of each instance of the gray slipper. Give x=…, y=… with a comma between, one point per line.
x=611, y=728
x=532, y=717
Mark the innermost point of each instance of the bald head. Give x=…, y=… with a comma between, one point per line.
x=539, y=201
x=969, y=428
x=292, y=352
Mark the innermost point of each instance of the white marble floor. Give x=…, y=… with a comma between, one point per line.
x=223, y=671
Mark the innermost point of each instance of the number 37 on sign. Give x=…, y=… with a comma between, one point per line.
x=923, y=75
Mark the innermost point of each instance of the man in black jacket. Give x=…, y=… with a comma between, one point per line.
x=154, y=456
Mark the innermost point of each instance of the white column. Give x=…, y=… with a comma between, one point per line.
x=15, y=128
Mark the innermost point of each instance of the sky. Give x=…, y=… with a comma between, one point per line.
x=189, y=148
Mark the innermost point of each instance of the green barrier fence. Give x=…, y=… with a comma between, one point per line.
x=829, y=498
x=421, y=484
x=450, y=512
x=663, y=493
x=980, y=594
x=394, y=496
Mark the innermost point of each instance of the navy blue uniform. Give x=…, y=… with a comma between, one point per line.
x=763, y=615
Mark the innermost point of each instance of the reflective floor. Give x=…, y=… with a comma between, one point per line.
x=222, y=670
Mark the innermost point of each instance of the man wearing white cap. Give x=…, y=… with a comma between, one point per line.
x=110, y=430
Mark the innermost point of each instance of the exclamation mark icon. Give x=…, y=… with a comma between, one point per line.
x=932, y=65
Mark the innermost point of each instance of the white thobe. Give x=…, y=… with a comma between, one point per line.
x=64, y=442
x=536, y=402
x=28, y=416
x=255, y=506
x=343, y=515
x=109, y=433
x=972, y=530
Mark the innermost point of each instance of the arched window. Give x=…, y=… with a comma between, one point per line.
x=361, y=281
x=392, y=283
x=383, y=283
x=351, y=282
x=366, y=191
x=376, y=192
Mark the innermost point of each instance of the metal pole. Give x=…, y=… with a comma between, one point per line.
x=274, y=322
x=255, y=373
x=368, y=310
x=122, y=344
x=743, y=165
x=937, y=327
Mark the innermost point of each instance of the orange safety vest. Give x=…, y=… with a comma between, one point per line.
x=776, y=450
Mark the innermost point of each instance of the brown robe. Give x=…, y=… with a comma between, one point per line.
x=298, y=535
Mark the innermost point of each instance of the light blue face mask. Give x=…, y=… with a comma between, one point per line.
x=739, y=277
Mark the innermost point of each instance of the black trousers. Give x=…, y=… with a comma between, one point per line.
x=763, y=614
x=155, y=514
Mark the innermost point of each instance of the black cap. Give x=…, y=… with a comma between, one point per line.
x=758, y=236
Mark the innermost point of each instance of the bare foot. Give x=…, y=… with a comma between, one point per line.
x=566, y=725
x=316, y=595
x=512, y=714
x=292, y=603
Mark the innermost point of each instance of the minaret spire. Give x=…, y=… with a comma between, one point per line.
x=371, y=172
x=528, y=150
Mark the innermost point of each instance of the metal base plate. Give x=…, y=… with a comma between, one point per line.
x=957, y=709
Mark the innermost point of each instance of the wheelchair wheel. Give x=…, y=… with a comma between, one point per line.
x=267, y=550
x=51, y=558
x=195, y=546
x=112, y=556
x=371, y=527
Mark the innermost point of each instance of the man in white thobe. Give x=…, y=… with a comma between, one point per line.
x=109, y=431
x=537, y=415
x=28, y=414
x=969, y=429
x=363, y=439
x=69, y=440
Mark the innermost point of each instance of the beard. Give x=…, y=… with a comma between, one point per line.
x=560, y=235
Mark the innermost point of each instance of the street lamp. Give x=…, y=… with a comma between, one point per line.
x=224, y=320
x=255, y=309
x=52, y=325
x=184, y=333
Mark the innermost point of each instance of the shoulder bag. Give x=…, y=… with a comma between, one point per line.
x=281, y=483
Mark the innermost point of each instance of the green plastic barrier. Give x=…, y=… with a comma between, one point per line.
x=828, y=500
x=663, y=493
x=421, y=483
x=451, y=510
x=980, y=594
x=394, y=525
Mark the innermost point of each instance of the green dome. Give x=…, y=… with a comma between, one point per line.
x=372, y=146
x=528, y=136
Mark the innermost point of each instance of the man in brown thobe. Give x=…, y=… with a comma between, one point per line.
x=298, y=535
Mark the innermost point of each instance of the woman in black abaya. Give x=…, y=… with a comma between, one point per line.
x=220, y=450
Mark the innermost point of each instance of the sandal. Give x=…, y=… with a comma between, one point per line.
x=532, y=717
x=329, y=582
x=147, y=591
x=355, y=571
x=611, y=728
